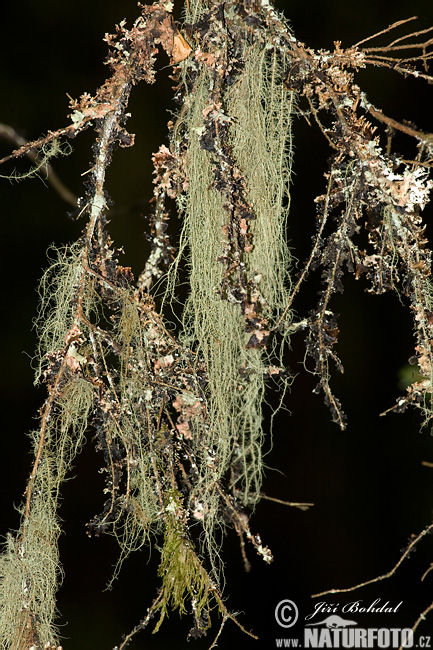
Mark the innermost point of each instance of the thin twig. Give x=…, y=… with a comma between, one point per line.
x=293, y=504
x=385, y=31
x=9, y=134
x=413, y=543
x=313, y=253
x=419, y=620
x=419, y=135
x=412, y=35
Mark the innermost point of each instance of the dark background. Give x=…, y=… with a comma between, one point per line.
x=368, y=485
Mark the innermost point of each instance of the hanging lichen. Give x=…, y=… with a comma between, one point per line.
x=30, y=570
x=177, y=417
x=233, y=134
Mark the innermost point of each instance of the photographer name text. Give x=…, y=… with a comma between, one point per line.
x=356, y=606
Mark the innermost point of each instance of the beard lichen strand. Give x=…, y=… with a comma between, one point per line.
x=57, y=294
x=34, y=551
x=259, y=110
x=29, y=566
x=29, y=573
x=134, y=389
x=214, y=327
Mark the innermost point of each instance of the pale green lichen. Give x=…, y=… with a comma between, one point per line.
x=40, y=168
x=260, y=110
x=58, y=290
x=30, y=569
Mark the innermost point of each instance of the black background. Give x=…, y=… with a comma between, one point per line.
x=368, y=485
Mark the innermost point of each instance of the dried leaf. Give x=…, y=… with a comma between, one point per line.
x=181, y=49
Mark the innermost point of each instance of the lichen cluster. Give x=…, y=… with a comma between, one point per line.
x=177, y=414
x=232, y=140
